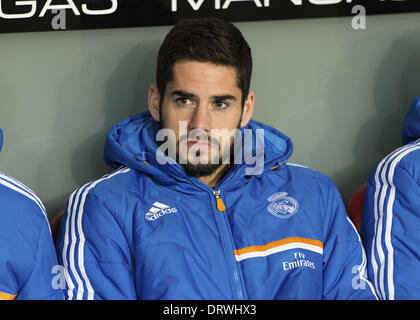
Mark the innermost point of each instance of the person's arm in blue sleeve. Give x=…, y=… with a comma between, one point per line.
x=344, y=259
x=95, y=252
x=40, y=283
x=27, y=255
x=391, y=231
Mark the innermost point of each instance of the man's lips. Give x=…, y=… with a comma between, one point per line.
x=198, y=143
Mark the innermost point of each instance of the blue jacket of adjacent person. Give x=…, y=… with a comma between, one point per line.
x=391, y=216
x=149, y=231
x=28, y=262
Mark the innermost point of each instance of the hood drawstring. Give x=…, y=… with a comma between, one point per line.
x=142, y=157
x=279, y=165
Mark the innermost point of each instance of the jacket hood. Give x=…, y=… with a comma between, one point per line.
x=132, y=143
x=411, y=126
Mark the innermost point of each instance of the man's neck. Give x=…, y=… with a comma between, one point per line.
x=213, y=179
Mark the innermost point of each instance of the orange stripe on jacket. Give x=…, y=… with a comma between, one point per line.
x=6, y=296
x=278, y=243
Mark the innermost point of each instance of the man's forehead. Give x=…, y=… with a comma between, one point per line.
x=190, y=75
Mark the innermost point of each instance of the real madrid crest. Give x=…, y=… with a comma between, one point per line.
x=282, y=206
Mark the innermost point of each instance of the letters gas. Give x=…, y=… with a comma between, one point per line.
x=30, y=7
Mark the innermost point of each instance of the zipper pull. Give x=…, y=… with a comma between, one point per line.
x=220, y=205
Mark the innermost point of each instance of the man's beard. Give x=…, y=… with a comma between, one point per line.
x=201, y=169
x=193, y=164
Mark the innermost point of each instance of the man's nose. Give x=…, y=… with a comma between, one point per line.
x=200, y=119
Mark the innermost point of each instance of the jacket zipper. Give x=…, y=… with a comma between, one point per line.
x=226, y=236
x=219, y=202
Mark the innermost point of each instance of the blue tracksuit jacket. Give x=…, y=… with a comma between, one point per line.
x=391, y=217
x=149, y=231
x=28, y=262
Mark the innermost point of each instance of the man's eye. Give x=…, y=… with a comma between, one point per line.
x=183, y=101
x=221, y=104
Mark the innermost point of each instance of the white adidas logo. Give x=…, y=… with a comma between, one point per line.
x=158, y=210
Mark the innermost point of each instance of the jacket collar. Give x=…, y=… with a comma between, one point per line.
x=132, y=143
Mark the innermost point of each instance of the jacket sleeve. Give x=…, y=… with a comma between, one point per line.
x=27, y=256
x=94, y=251
x=40, y=282
x=391, y=232
x=344, y=259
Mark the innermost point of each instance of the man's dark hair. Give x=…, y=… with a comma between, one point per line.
x=205, y=40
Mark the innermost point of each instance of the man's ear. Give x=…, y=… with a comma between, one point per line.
x=248, y=109
x=154, y=102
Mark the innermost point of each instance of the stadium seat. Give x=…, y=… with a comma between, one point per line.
x=55, y=225
x=355, y=206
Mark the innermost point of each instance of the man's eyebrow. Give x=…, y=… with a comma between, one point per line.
x=183, y=94
x=224, y=97
x=188, y=95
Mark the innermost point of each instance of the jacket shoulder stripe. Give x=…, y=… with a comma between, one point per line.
x=75, y=237
x=376, y=243
x=384, y=198
x=22, y=189
x=70, y=238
